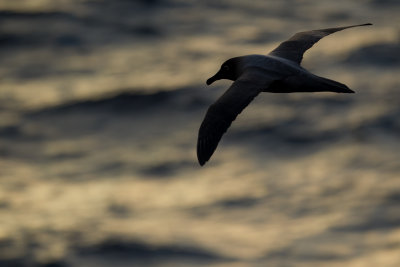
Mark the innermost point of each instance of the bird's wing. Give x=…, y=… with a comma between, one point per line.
x=224, y=111
x=294, y=48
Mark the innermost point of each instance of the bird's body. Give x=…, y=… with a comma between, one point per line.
x=277, y=72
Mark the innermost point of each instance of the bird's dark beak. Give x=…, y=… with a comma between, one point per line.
x=213, y=78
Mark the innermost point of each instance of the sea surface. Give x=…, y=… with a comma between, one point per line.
x=100, y=104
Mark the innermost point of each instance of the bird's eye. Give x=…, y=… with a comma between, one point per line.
x=225, y=68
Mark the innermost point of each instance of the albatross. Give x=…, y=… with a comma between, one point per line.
x=277, y=72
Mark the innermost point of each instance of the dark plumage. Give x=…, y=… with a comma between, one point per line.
x=277, y=72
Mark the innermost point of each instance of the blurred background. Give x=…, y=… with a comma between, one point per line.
x=100, y=104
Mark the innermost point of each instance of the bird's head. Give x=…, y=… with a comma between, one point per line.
x=230, y=70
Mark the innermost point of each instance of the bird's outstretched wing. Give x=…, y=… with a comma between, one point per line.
x=294, y=48
x=224, y=111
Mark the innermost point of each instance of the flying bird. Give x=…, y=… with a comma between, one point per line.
x=277, y=72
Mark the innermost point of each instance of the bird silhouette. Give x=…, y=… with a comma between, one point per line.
x=277, y=72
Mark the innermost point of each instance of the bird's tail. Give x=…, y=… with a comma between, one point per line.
x=333, y=86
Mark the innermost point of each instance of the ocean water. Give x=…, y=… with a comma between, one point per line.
x=100, y=104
